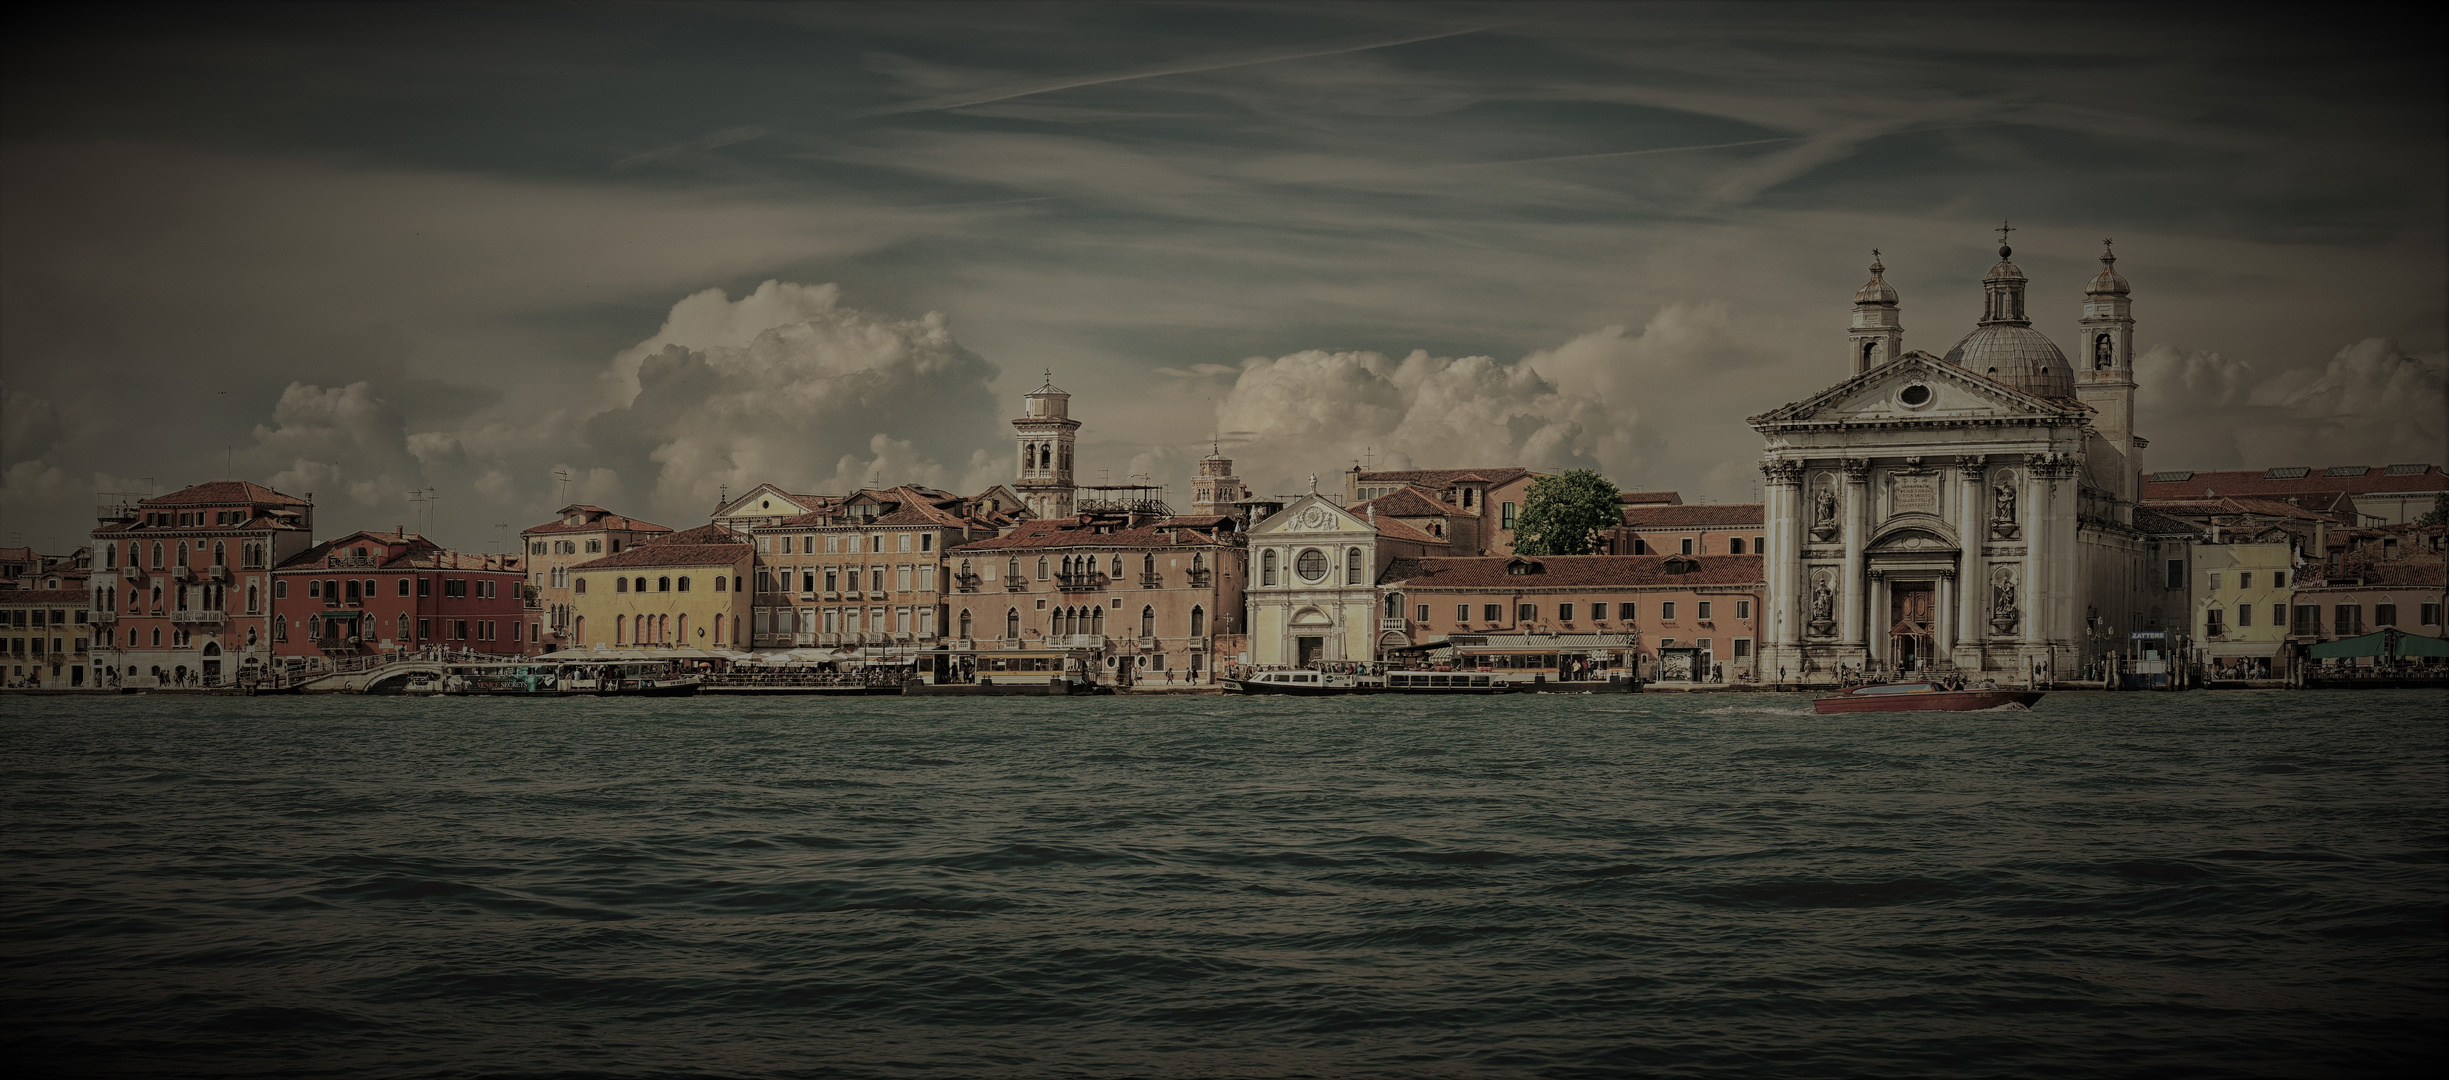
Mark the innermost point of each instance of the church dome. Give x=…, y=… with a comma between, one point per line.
x=2107, y=283
x=2018, y=356
x=1877, y=290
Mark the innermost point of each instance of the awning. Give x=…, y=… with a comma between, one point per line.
x=2384, y=643
x=1423, y=647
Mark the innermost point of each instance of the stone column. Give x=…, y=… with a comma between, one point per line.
x=2032, y=513
x=1850, y=590
x=1782, y=564
x=1943, y=618
x=1875, y=629
x=1973, y=535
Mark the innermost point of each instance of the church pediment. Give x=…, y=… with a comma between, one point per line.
x=1913, y=538
x=1914, y=388
x=1311, y=514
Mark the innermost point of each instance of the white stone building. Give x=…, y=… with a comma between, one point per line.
x=1972, y=511
x=1313, y=592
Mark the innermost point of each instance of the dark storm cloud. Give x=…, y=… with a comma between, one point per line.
x=374, y=248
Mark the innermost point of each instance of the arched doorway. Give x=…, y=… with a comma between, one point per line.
x=212, y=663
x=1912, y=614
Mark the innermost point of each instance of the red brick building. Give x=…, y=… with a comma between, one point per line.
x=182, y=582
x=372, y=592
x=1147, y=595
x=1703, y=611
x=1675, y=529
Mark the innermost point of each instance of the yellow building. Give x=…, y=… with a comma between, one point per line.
x=581, y=533
x=689, y=589
x=2242, y=592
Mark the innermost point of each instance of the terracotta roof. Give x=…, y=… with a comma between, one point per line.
x=2152, y=521
x=45, y=596
x=2188, y=508
x=2295, y=480
x=1489, y=572
x=1068, y=533
x=1395, y=529
x=1438, y=478
x=1703, y=515
x=25, y=553
x=224, y=491
x=1410, y=501
x=610, y=521
x=663, y=553
x=1650, y=498
x=2392, y=574
x=708, y=533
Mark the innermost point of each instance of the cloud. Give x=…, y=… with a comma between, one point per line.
x=28, y=426
x=2372, y=403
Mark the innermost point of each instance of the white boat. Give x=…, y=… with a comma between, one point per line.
x=1308, y=682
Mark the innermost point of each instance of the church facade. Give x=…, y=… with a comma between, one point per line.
x=1971, y=511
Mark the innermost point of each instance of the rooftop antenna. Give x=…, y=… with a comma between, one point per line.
x=562, y=477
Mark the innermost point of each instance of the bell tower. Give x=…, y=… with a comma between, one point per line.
x=1877, y=336
x=2104, y=374
x=1046, y=432
x=1216, y=489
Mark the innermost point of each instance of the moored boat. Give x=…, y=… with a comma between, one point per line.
x=1920, y=697
x=1307, y=682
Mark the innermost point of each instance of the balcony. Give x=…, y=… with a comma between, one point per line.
x=965, y=582
x=1016, y=584
x=204, y=616
x=103, y=616
x=1199, y=579
x=182, y=573
x=1080, y=581
x=1075, y=641
x=1152, y=581
x=1393, y=624
x=217, y=572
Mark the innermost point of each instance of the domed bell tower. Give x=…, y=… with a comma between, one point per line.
x=1877, y=336
x=2104, y=376
x=1046, y=432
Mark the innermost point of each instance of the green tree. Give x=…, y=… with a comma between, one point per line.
x=2439, y=514
x=1564, y=515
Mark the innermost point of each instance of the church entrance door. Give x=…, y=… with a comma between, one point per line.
x=1911, y=607
x=1309, y=649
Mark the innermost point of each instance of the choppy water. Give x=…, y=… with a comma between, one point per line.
x=2112, y=885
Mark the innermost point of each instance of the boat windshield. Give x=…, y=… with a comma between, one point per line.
x=1896, y=688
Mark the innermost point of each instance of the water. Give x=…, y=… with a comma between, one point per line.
x=2112, y=885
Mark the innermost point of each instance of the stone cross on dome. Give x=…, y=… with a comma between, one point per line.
x=2003, y=230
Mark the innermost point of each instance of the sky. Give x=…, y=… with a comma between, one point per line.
x=512, y=256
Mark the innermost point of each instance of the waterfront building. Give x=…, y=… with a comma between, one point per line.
x=578, y=533
x=1972, y=510
x=2374, y=494
x=2242, y=592
x=869, y=569
x=45, y=638
x=682, y=590
x=379, y=592
x=1313, y=592
x=17, y=564
x=1689, y=617
x=1677, y=529
x=2365, y=596
x=1142, y=593
x=1492, y=496
x=182, y=582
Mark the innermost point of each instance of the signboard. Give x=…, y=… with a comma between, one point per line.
x=1917, y=493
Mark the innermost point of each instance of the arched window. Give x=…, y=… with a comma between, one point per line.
x=1198, y=561
x=718, y=626
x=684, y=629
x=252, y=602
x=663, y=584
x=1096, y=620
x=182, y=554
x=1352, y=566
x=157, y=555
x=110, y=556
x=221, y=554
x=720, y=580
x=1198, y=622
x=1041, y=568
x=638, y=585
x=684, y=584
x=1267, y=568
x=579, y=586
x=965, y=623
x=1147, y=621
x=620, y=629
x=1011, y=623
x=578, y=630
x=1011, y=571
x=1147, y=565
x=403, y=631
x=965, y=574
x=1869, y=349
x=620, y=584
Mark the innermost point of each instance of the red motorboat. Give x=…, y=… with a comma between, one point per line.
x=1921, y=697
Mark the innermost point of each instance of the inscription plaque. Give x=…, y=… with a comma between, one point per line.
x=1917, y=494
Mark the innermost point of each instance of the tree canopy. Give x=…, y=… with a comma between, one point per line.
x=1564, y=515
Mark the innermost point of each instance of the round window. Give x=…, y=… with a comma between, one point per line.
x=1312, y=564
x=1914, y=396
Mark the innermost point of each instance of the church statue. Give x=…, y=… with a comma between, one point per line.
x=1824, y=515
x=2002, y=514
x=1823, y=609
x=2002, y=601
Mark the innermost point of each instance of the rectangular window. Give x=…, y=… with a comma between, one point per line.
x=2308, y=620
x=1705, y=607
x=1598, y=611
x=901, y=574
x=2278, y=579
x=876, y=542
x=926, y=621
x=425, y=628
x=2215, y=623
x=2244, y=580
x=1687, y=545
x=1564, y=613
x=1666, y=610
x=2431, y=615
x=1506, y=515
x=833, y=579
x=403, y=586
x=926, y=576
x=833, y=620
x=1495, y=612
x=280, y=589
x=1743, y=609
x=1424, y=613
x=901, y=618
x=851, y=578
x=1527, y=613
x=765, y=545
x=314, y=588
x=459, y=629
x=926, y=541
x=2176, y=573
x=1462, y=613
x=2348, y=620
x=2214, y=581
x=786, y=545
x=2244, y=616
x=765, y=581
x=904, y=543
x=2385, y=614
x=425, y=586
x=1743, y=648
